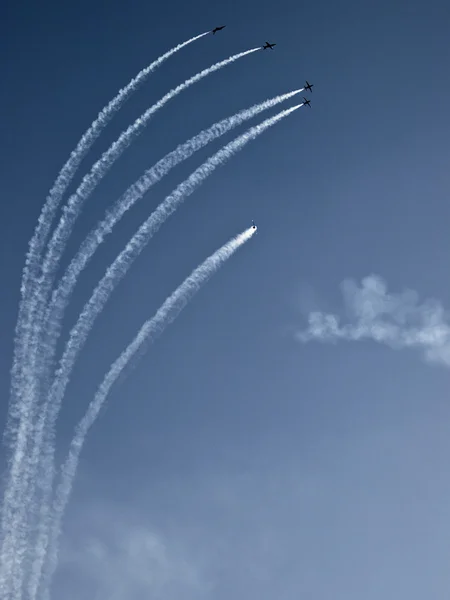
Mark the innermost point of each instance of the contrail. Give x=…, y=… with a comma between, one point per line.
x=116, y=272
x=61, y=295
x=41, y=233
x=61, y=234
x=135, y=192
x=151, y=329
x=22, y=400
x=75, y=204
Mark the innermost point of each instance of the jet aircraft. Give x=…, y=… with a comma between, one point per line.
x=307, y=102
x=216, y=29
x=308, y=86
x=253, y=225
x=267, y=45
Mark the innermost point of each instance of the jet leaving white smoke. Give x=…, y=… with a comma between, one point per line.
x=152, y=328
x=27, y=507
x=23, y=395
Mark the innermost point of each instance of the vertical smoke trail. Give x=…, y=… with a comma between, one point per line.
x=152, y=328
x=22, y=400
x=57, y=244
x=114, y=274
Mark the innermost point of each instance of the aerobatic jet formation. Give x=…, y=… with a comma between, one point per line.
x=268, y=45
x=216, y=29
x=308, y=86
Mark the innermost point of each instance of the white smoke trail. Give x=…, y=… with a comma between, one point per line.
x=75, y=204
x=22, y=399
x=40, y=236
x=61, y=295
x=115, y=273
x=135, y=192
x=152, y=328
x=56, y=248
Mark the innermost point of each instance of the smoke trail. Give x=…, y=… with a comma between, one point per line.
x=73, y=208
x=114, y=274
x=135, y=192
x=60, y=236
x=22, y=400
x=37, y=243
x=61, y=295
x=152, y=328
x=75, y=204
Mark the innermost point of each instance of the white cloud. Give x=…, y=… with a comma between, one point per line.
x=397, y=320
x=122, y=560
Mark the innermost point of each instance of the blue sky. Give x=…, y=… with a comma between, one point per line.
x=235, y=460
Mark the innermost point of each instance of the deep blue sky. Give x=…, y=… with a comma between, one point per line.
x=267, y=469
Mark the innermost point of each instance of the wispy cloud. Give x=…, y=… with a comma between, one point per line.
x=398, y=320
x=122, y=560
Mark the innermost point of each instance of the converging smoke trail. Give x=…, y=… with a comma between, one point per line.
x=117, y=271
x=152, y=328
x=61, y=295
x=22, y=400
x=59, y=239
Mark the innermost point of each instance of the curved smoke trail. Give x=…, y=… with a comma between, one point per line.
x=61, y=296
x=75, y=203
x=63, y=230
x=41, y=233
x=20, y=411
x=117, y=271
x=152, y=328
x=135, y=192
